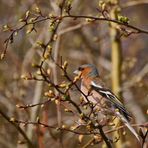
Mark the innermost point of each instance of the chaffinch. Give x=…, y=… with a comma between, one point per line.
x=98, y=94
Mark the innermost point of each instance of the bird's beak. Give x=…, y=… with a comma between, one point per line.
x=76, y=72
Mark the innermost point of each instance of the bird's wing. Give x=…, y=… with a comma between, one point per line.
x=106, y=93
x=123, y=113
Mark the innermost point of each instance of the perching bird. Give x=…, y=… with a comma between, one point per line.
x=97, y=93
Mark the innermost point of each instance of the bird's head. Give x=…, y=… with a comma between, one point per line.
x=87, y=71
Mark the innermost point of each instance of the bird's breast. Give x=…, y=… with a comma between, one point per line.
x=92, y=95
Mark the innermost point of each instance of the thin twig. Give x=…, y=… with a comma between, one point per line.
x=30, y=144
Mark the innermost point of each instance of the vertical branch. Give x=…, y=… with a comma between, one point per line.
x=41, y=129
x=55, y=74
x=55, y=79
x=116, y=57
x=33, y=111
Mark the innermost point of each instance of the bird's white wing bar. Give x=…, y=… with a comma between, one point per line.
x=110, y=95
x=105, y=91
x=95, y=85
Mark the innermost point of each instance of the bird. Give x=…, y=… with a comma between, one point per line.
x=94, y=90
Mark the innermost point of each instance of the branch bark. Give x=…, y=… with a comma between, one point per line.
x=116, y=57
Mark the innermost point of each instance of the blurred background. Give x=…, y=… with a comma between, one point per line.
x=84, y=43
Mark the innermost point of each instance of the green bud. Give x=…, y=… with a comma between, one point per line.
x=123, y=19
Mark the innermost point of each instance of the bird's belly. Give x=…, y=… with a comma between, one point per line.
x=92, y=96
x=87, y=97
x=100, y=102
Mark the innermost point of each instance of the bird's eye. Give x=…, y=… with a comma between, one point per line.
x=80, y=68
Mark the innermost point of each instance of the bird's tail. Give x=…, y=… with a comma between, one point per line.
x=126, y=122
